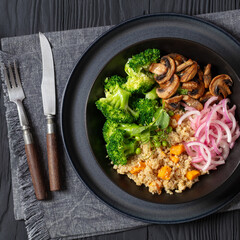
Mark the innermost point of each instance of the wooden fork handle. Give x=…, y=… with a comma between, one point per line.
x=53, y=159
x=34, y=166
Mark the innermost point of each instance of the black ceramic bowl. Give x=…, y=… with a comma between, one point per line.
x=82, y=122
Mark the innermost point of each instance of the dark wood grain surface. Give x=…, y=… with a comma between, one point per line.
x=19, y=17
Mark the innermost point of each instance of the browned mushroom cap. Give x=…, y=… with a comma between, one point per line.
x=184, y=65
x=170, y=64
x=207, y=76
x=169, y=88
x=158, y=68
x=178, y=58
x=220, y=84
x=173, y=103
x=196, y=88
x=189, y=73
x=192, y=102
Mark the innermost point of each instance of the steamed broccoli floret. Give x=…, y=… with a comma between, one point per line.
x=119, y=147
x=160, y=120
x=131, y=130
x=109, y=128
x=146, y=109
x=114, y=105
x=139, y=82
x=139, y=79
x=112, y=82
x=144, y=59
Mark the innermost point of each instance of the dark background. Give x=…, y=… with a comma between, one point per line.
x=23, y=17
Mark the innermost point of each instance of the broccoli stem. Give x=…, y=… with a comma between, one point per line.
x=152, y=94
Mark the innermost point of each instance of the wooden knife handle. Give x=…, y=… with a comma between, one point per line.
x=34, y=166
x=53, y=160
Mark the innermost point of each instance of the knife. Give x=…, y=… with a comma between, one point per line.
x=49, y=109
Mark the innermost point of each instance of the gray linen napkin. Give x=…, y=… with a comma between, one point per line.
x=73, y=212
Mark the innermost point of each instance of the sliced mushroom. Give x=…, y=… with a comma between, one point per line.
x=170, y=64
x=200, y=73
x=173, y=103
x=196, y=88
x=189, y=73
x=207, y=76
x=178, y=58
x=184, y=65
x=191, y=102
x=158, y=68
x=191, y=85
x=220, y=84
x=205, y=97
x=169, y=88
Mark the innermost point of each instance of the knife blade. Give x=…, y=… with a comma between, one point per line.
x=48, y=90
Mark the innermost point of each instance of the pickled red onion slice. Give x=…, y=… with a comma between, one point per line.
x=216, y=131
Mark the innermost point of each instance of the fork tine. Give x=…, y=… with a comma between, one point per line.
x=17, y=75
x=11, y=75
x=6, y=77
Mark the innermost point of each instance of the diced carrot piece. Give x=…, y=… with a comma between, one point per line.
x=176, y=116
x=138, y=168
x=174, y=158
x=164, y=172
x=192, y=174
x=177, y=149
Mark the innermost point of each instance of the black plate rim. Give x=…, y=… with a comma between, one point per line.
x=213, y=210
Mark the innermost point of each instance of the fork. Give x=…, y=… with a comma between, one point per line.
x=16, y=95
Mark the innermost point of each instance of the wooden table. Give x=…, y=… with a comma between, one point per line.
x=27, y=17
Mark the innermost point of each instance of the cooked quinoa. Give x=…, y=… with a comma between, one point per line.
x=158, y=169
